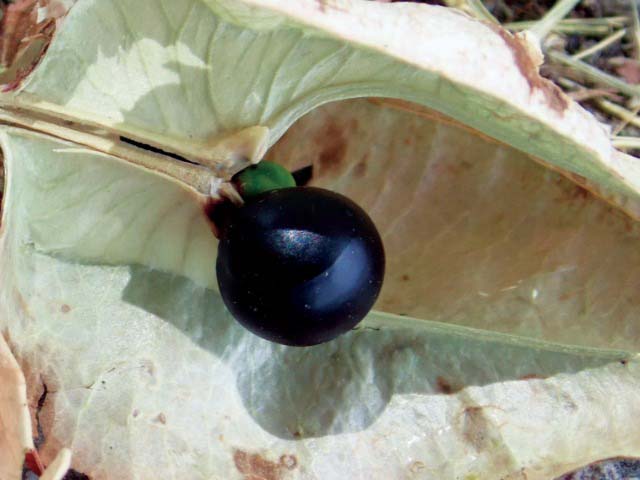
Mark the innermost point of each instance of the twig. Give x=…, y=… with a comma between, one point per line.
x=618, y=111
x=626, y=142
x=473, y=7
x=601, y=45
x=623, y=123
x=595, y=74
x=586, y=26
x=561, y=9
x=590, y=93
x=581, y=92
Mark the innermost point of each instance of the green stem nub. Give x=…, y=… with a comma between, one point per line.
x=263, y=177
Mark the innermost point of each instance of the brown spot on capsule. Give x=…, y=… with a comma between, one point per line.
x=446, y=387
x=532, y=376
x=65, y=308
x=255, y=467
x=556, y=99
x=475, y=427
x=334, y=148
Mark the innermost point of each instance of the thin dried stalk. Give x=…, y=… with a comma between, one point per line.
x=619, y=111
x=623, y=123
x=595, y=74
x=601, y=45
x=581, y=93
x=626, y=142
x=584, y=26
x=561, y=9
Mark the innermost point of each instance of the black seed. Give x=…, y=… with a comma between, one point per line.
x=300, y=266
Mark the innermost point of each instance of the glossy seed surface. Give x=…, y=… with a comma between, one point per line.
x=300, y=265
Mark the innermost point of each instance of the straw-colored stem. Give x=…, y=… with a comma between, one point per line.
x=619, y=111
x=595, y=74
x=589, y=26
x=581, y=92
x=601, y=45
x=623, y=123
x=561, y=9
x=568, y=83
x=626, y=142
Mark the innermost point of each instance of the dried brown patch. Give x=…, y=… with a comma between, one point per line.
x=556, y=98
x=405, y=278
x=255, y=467
x=64, y=308
x=475, y=427
x=446, y=387
x=334, y=148
x=161, y=418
